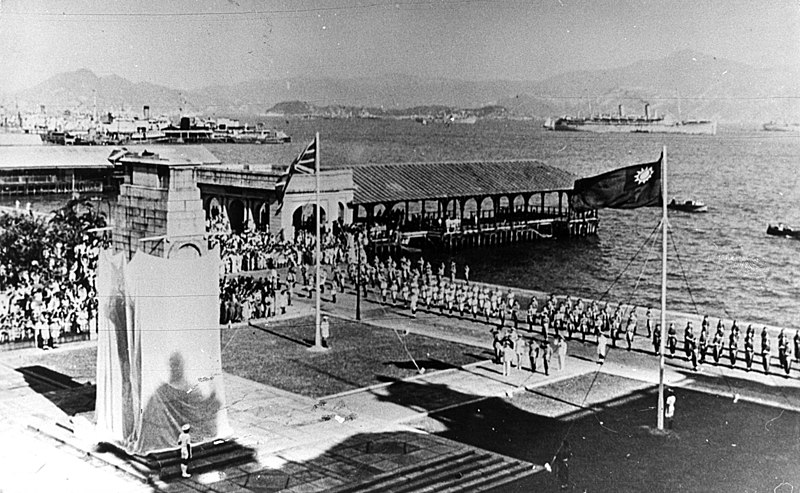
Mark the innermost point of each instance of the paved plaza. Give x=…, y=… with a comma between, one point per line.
x=362, y=440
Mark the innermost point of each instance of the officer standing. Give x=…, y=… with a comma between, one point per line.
x=657, y=339
x=702, y=341
x=547, y=354
x=688, y=340
x=672, y=338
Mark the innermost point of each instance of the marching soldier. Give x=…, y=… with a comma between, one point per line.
x=783, y=352
x=748, y=350
x=766, y=349
x=797, y=345
x=733, y=344
x=716, y=346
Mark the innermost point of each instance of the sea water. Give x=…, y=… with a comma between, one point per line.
x=720, y=263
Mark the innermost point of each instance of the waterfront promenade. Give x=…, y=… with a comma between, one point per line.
x=367, y=436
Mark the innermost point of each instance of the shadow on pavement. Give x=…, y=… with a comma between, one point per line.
x=68, y=395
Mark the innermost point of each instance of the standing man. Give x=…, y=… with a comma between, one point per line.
x=185, y=444
x=657, y=339
x=466, y=274
x=325, y=330
x=547, y=354
x=672, y=339
x=562, y=459
x=602, y=342
x=561, y=352
x=669, y=410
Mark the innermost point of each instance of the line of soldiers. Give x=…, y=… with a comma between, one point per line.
x=698, y=348
x=414, y=284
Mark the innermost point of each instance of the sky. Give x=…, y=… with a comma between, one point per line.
x=188, y=44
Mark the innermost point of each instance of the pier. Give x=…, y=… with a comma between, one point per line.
x=456, y=205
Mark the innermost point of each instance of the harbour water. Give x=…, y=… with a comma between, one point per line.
x=733, y=270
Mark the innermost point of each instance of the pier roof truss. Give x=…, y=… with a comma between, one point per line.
x=400, y=182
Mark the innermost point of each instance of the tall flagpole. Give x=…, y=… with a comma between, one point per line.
x=662, y=344
x=318, y=288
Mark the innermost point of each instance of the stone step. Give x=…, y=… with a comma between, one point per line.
x=380, y=482
x=507, y=472
x=432, y=480
x=218, y=461
x=497, y=468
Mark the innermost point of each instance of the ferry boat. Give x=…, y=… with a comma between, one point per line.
x=782, y=127
x=687, y=206
x=622, y=123
x=783, y=230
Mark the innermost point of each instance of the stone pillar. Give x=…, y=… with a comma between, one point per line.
x=158, y=202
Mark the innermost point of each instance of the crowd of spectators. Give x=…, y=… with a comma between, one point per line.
x=47, y=275
x=250, y=285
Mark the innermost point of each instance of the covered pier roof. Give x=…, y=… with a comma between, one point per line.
x=398, y=182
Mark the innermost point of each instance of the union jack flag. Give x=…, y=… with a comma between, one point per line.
x=305, y=164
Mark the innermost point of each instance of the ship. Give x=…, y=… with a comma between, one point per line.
x=782, y=127
x=622, y=123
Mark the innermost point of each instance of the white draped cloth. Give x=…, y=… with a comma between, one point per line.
x=158, y=351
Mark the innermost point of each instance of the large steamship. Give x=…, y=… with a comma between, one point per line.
x=622, y=123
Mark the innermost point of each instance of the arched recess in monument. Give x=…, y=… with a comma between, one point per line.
x=213, y=208
x=304, y=216
x=236, y=215
x=185, y=250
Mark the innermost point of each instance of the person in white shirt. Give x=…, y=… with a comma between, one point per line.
x=669, y=411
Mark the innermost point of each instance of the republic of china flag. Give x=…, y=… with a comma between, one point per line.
x=624, y=188
x=305, y=163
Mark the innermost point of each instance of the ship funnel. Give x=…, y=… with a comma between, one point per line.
x=647, y=111
x=621, y=111
x=146, y=112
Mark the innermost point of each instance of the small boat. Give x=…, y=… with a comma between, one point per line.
x=782, y=230
x=687, y=206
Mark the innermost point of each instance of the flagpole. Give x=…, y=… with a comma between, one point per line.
x=318, y=288
x=662, y=342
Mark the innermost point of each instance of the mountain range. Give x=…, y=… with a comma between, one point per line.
x=686, y=84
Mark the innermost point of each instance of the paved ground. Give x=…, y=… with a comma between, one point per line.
x=303, y=444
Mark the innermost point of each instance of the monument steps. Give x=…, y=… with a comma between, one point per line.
x=466, y=470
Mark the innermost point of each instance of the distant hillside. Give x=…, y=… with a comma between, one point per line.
x=691, y=84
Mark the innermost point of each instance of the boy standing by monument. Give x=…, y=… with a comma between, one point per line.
x=185, y=444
